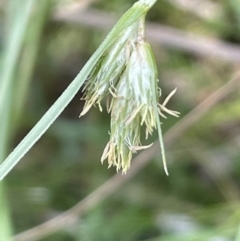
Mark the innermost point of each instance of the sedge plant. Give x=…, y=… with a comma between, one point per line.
x=123, y=69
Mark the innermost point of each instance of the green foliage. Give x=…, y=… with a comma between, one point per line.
x=202, y=191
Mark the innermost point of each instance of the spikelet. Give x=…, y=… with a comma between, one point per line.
x=127, y=74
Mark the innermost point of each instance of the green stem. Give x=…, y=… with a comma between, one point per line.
x=13, y=44
x=13, y=47
x=133, y=14
x=29, y=56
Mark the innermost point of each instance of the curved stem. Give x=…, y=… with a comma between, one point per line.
x=133, y=14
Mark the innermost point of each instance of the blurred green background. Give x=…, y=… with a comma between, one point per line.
x=200, y=198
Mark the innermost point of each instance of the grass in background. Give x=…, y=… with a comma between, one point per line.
x=63, y=168
x=15, y=80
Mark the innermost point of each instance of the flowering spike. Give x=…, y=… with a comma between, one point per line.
x=127, y=75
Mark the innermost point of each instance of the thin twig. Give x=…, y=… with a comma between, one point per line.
x=69, y=217
x=167, y=36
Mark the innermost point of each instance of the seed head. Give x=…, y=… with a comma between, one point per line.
x=127, y=74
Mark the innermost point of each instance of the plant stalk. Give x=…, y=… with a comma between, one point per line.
x=139, y=9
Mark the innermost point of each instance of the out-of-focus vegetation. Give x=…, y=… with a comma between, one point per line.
x=200, y=198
